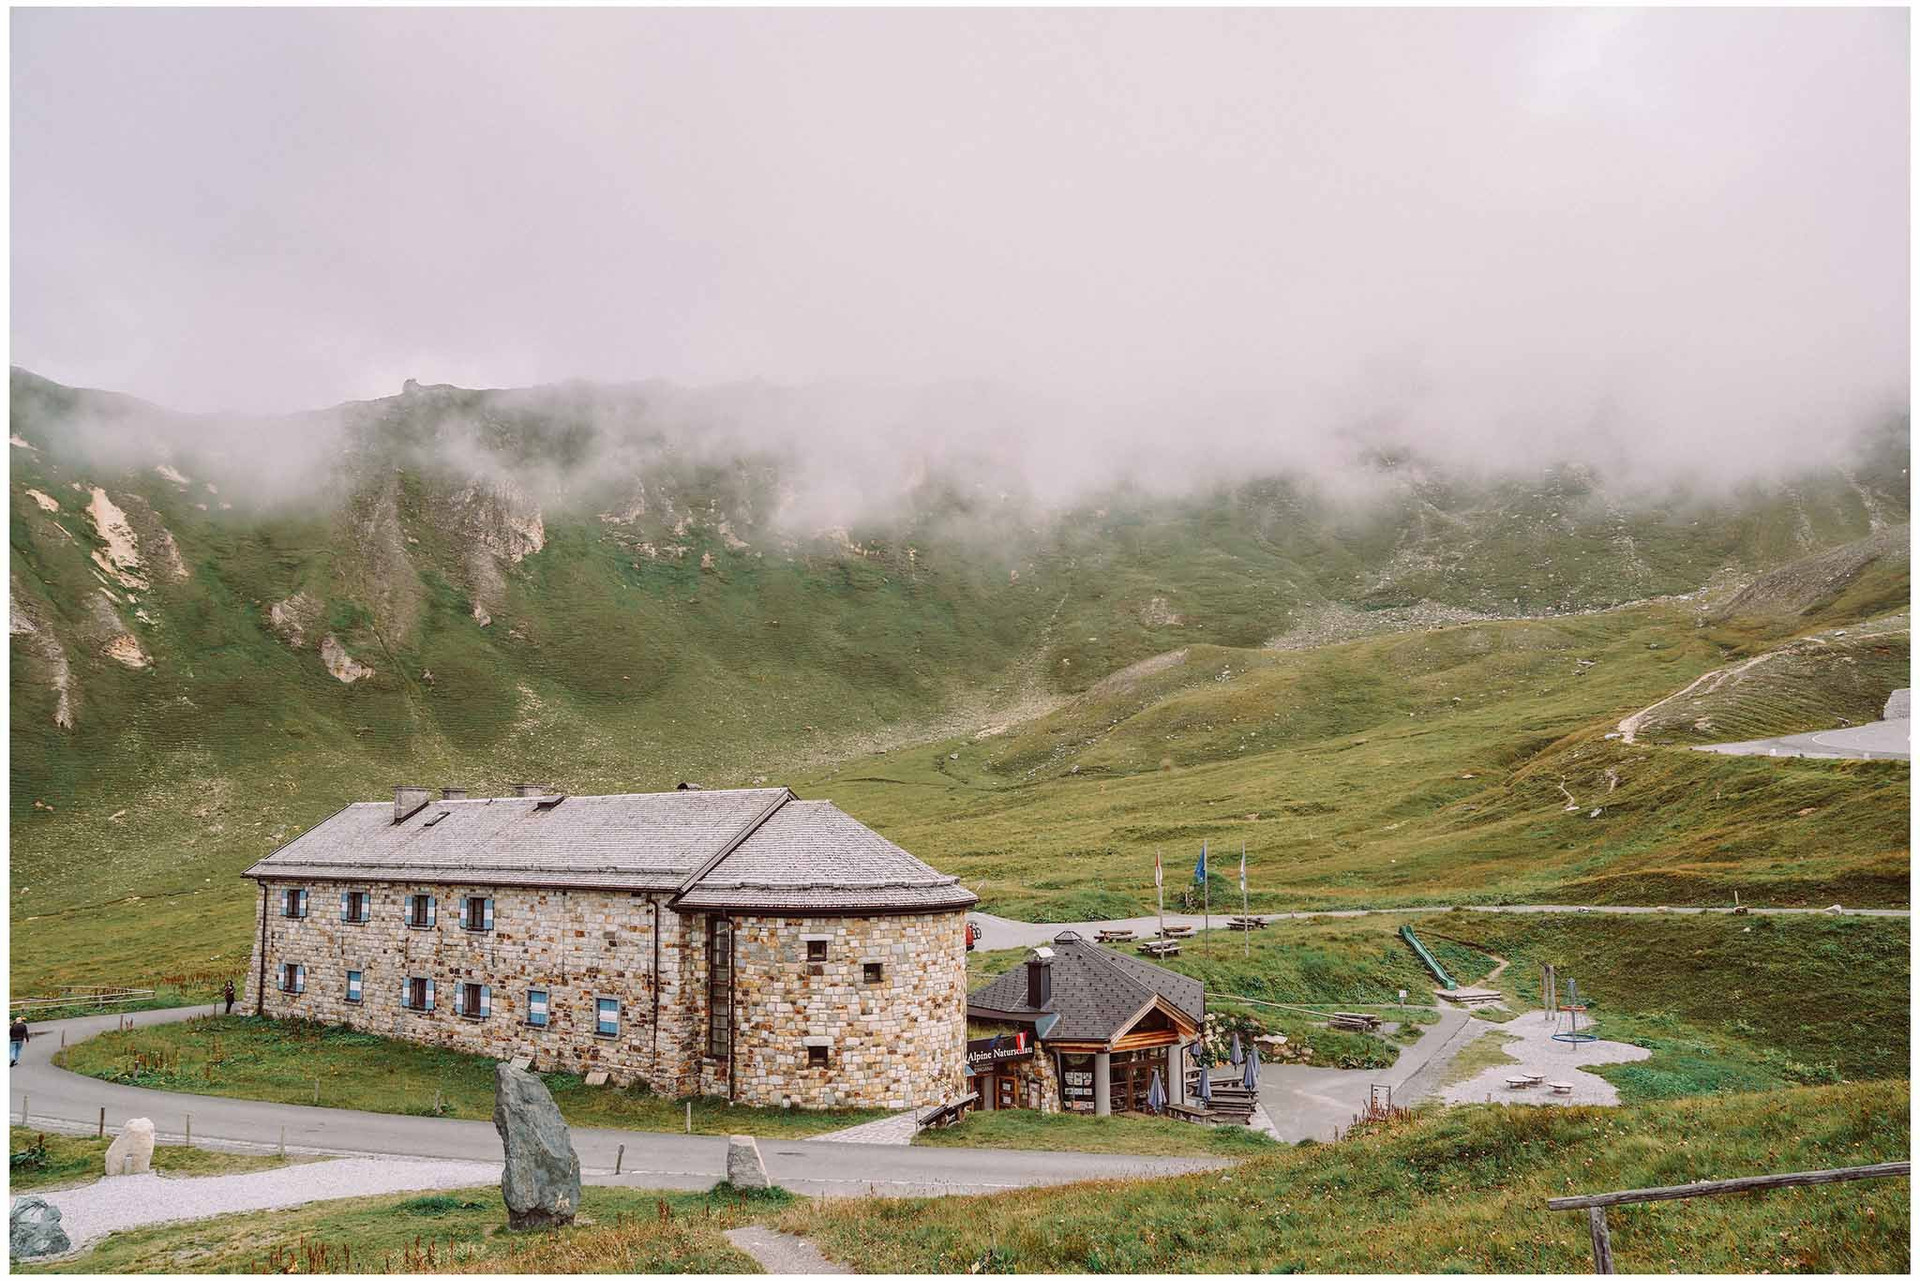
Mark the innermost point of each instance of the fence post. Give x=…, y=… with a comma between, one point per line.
x=189, y=1142
x=103, y=1123
x=23, y=1109
x=1602, y=1243
x=619, y=1155
x=283, y=1143
x=689, y=1116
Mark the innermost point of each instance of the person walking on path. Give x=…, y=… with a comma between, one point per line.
x=228, y=993
x=18, y=1035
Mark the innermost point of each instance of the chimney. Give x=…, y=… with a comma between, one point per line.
x=1040, y=978
x=529, y=789
x=408, y=800
x=453, y=793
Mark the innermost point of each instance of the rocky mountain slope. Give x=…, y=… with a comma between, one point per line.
x=224, y=628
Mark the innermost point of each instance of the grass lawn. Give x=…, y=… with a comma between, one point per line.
x=618, y=1230
x=1481, y=1053
x=1058, y=1132
x=1459, y=1190
x=1724, y=1002
x=70, y=1159
x=279, y=1060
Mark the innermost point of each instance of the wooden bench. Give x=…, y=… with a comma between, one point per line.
x=1159, y=947
x=1348, y=1021
x=1177, y=932
x=944, y=1114
x=1246, y=923
x=1112, y=936
x=1518, y=1082
x=1560, y=1087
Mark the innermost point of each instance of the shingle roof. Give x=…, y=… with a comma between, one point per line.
x=746, y=848
x=1096, y=992
x=810, y=855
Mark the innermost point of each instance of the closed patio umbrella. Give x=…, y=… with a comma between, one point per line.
x=1206, y=1086
x=1252, y=1078
x=1233, y=1056
x=1156, y=1095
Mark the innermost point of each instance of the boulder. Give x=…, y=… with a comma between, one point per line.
x=33, y=1229
x=745, y=1169
x=541, y=1181
x=131, y=1152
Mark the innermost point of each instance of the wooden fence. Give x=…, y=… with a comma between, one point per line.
x=1596, y=1205
x=82, y=998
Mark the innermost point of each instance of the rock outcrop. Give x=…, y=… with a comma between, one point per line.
x=340, y=664
x=33, y=1229
x=131, y=1152
x=541, y=1179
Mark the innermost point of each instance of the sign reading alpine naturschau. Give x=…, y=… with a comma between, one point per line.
x=988, y=1050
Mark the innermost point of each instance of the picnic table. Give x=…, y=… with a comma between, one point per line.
x=1245, y=923
x=1177, y=931
x=945, y=1114
x=1349, y=1021
x=1112, y=936
x=1159, y=947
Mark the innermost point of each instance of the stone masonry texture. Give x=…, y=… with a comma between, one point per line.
x=896, y=1041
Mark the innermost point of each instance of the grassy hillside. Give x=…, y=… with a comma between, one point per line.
x=1459, y=1191
x=1725, y=1002
x=556, y=586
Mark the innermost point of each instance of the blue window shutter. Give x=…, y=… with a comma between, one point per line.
x=345, y=899
x=429, y=994
x=486, y=1001
x=303, y=902
x=487, y=922
x=465, y=924
x=432, y=909
x=299, y=978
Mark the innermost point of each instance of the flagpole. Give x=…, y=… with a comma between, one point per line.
x=1206, y=897
x=1160, y=894
x=1246, y=948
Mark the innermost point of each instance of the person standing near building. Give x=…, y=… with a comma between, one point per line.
x=228, y=993
x=17, y=1037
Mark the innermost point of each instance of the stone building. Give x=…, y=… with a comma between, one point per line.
x=1081, y=1028
x=741, y=943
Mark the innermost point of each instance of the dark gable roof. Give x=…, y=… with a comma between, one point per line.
x=1096, y=992
x=752, y=849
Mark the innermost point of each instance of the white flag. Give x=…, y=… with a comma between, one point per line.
x=1243, y=869
x=1157, y=882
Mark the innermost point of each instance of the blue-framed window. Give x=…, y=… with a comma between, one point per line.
x=606, y=1017
x=293, y=904
x=537, y=1007
x=353, y=987
x=293, y=978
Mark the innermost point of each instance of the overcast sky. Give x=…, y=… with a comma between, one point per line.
x=1690, y=224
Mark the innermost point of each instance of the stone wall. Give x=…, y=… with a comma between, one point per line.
x=578, y=946
x=899, y=1042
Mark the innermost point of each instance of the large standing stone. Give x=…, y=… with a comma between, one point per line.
x=131, y=1151
x=33, y=1229
x=541, y=1182
x=745, y=1169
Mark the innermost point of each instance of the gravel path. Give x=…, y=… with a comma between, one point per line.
x=1537, y=1051
x=135, y=1201
x=782, y=1252
x=897, y=1130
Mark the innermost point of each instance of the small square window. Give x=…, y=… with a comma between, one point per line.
x=607, y=1017
x=816, y=1056
x=874, y=972
x=816, y=949
x=537, y=1007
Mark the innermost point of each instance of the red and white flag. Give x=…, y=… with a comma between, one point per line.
x=1157, y=882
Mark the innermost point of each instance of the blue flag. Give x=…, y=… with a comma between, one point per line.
x=1200, y=868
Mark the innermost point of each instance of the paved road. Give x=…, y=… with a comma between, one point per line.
x=55, y=1099
x=999, y=932
x=1874, y=741
x=1318, y=1102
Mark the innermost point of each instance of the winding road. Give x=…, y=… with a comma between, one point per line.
x=55, y=1099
